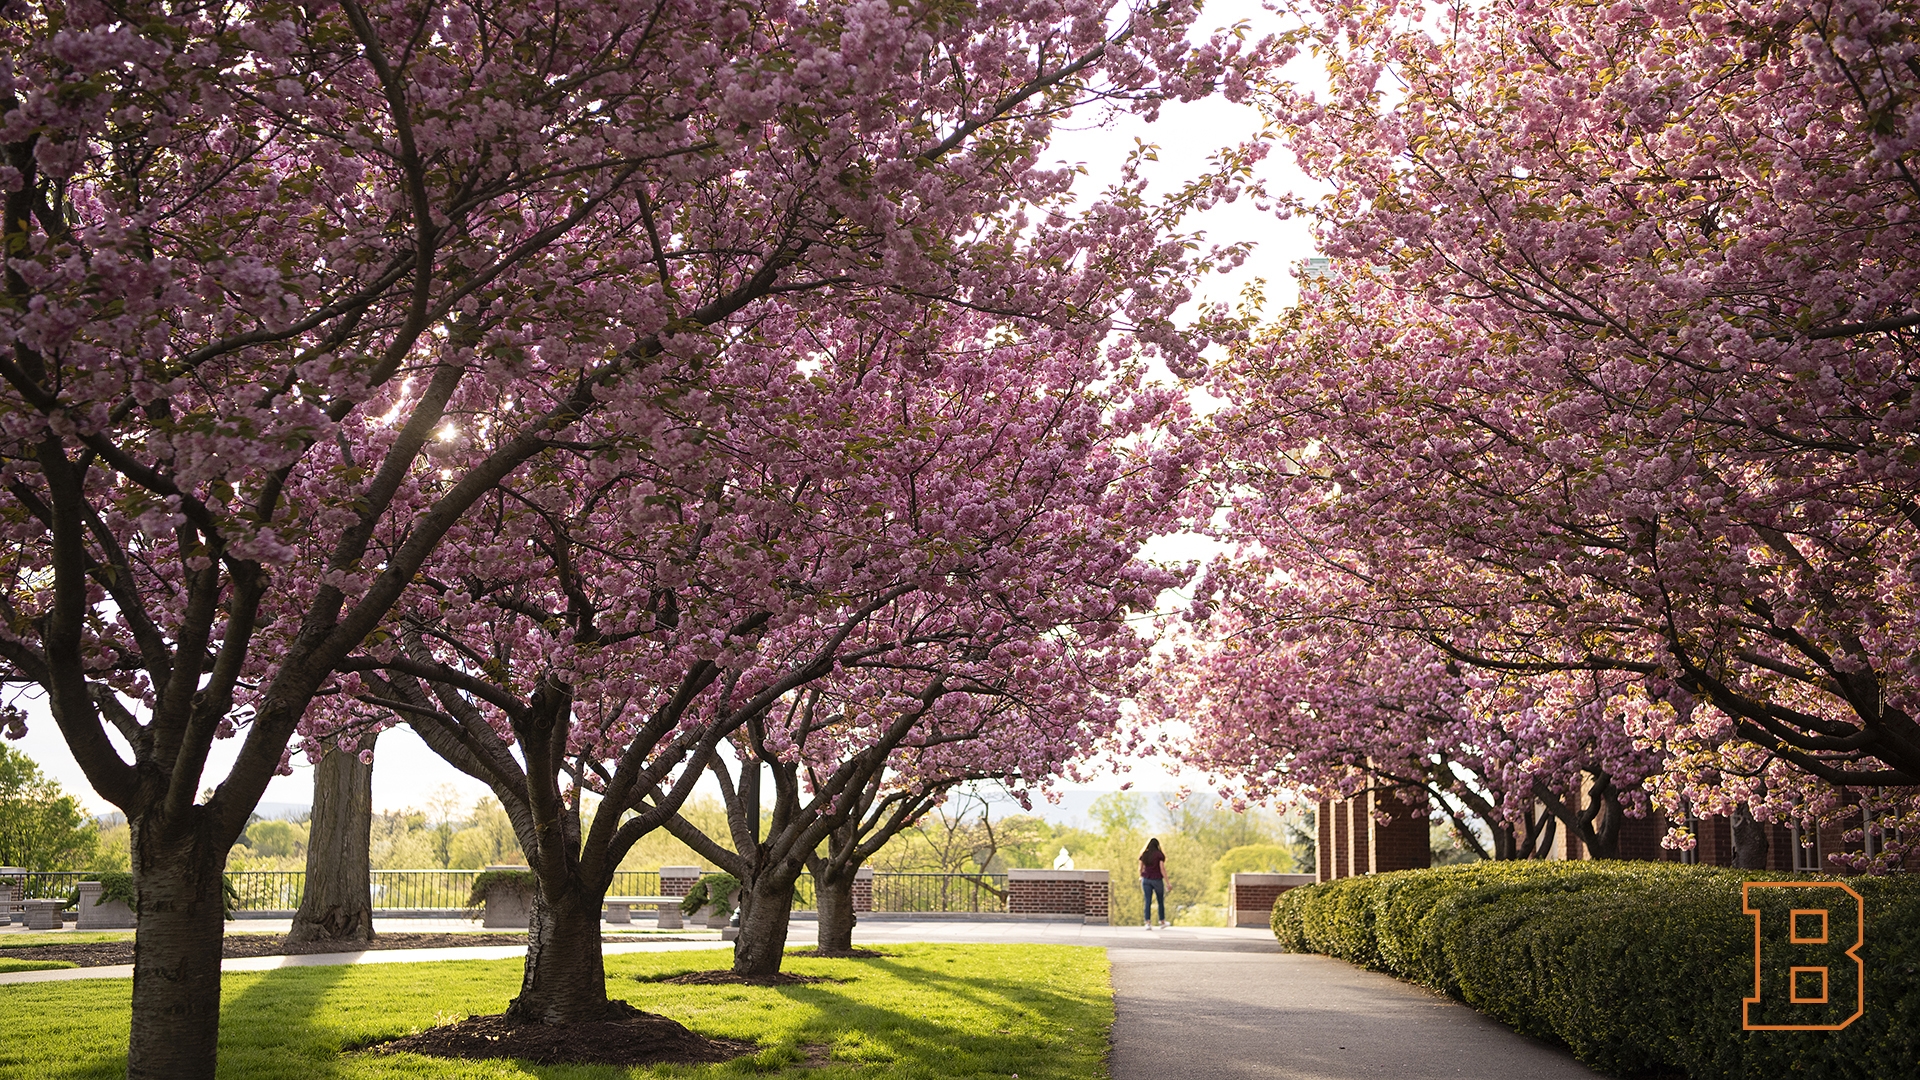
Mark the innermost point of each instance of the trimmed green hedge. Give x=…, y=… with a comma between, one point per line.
x=1639, y=967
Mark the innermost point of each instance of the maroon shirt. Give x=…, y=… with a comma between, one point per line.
x=1152, y=866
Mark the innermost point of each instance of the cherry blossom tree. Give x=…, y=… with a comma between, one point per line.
x=1292, y=697
x=1614, y=373
x=859, y=757
x=1010, y=745
x=284, y=280
x=893, y=524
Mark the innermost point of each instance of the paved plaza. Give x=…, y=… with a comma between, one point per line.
x=1192, y=1003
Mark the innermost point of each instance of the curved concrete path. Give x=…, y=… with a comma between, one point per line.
x=1223, y=1011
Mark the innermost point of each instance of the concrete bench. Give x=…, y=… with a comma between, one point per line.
x=44, y=914
x=620, y=909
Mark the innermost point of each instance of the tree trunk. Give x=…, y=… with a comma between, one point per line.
x=337, y=904
x=1749, y=840
x=1603, y=841
x=835, y=900
x=766, y=911
x=565, y=981
x=176, y=953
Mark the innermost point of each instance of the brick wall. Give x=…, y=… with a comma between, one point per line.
x=1046, y=892
x=1404, y=842
x=863, y=889
x=1250, y=897
x=1716, y=841
x=1779, y=847
x=1640, y=837
x=1085, y=894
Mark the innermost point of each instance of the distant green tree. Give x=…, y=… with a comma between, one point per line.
x=1118, y=812
x=41, y=826
x=1249, y=859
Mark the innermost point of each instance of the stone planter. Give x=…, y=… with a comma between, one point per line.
x=508, y=907
x=715, y=921
x=94, y=915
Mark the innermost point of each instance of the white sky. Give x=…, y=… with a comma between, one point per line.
x=406, y=773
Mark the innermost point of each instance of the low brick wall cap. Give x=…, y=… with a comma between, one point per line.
x=1056, y=875
x=1275, y=879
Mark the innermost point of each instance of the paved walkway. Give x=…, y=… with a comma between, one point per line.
x=1191, y=1003
x=1216, y=1010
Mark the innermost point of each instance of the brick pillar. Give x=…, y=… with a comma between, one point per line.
x=863, y=889
x=1059, y=893
x=678, y=880
x=1096, y=893
x=1342, y=839
x=1250, y=897
x=1323, y=848
x=1359, y=832
x=675, y=881
x=1404, y=842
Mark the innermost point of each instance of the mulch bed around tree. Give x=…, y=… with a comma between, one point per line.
x=850, y=954
x=631, y=1037
x=728, y=978
x=106, y=953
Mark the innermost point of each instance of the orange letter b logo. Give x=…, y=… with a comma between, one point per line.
x=1807, y=974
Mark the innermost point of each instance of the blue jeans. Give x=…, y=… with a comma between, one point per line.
x=1150, y=888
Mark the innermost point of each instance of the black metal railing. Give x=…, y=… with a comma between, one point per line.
x=50, y=884
x=267, y=890
x=975, y=893
x=449, y=890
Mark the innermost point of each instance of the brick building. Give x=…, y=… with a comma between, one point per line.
x=1353, y=841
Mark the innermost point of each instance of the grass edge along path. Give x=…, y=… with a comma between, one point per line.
x=921, y=1011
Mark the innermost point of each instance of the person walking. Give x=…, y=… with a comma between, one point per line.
x=1153, y=881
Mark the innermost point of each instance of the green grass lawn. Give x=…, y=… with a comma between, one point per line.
x=1042, y=1011
x=9, y=963
x=31, y=938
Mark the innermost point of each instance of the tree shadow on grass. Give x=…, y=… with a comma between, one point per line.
x=1003, y=1025
x=272, y=1024
x=78, y=1030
